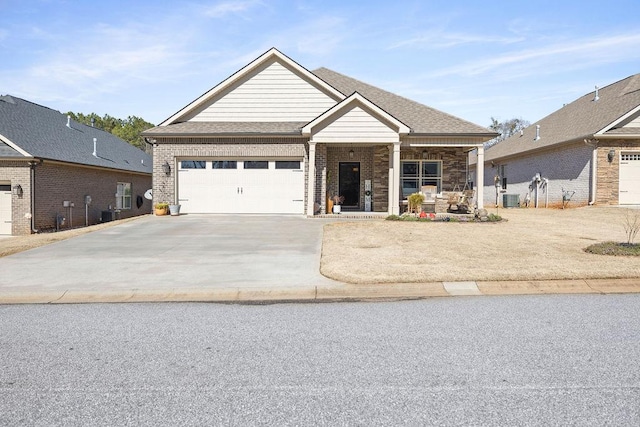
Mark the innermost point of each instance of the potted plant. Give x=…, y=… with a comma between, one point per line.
x=161, y=208
x=337, y=201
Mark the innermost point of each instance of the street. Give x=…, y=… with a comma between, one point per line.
x=512, y=360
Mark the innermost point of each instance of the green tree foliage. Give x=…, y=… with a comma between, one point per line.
x=129, y=129
x=506, y=128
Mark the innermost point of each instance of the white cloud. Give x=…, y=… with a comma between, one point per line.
x=442, y=40
x=576, y=54
x=223, y=9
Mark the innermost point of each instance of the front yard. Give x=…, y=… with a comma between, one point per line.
x=532, y=244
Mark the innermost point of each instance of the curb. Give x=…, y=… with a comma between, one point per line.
x=322, y=293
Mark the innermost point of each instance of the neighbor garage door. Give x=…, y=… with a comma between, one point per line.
x=5, y=209
x=241, y=186
x=629, y=178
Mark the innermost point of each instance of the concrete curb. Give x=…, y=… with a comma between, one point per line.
x=320, y=293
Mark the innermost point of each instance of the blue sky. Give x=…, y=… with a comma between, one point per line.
x=472, y=59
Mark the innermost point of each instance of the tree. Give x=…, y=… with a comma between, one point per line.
x=506, y=128
x=129, y=129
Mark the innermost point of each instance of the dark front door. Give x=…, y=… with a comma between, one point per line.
x=349, y=184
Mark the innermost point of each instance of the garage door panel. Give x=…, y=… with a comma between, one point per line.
x=629, y=182
x=242, y=190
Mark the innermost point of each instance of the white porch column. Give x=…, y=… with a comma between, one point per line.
x=480, y=177
x=311, y=184
x=396, y=179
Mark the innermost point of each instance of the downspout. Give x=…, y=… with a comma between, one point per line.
x=594, y=169
x=32, y=165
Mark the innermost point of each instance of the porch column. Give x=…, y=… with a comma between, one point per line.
x=311, y=184
x=396, y=179
x=480, y=177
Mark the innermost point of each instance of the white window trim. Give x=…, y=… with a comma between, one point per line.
x=122, y=197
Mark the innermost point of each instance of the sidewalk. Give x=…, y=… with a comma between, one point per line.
x=320, y=293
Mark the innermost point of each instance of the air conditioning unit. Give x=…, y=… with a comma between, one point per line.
x=510, y=200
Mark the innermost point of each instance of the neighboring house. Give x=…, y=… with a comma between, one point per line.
x=277, y=138
x=49, y=164
x=588, y=151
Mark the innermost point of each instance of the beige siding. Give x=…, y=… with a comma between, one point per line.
x=274, y=94
x=356, y=126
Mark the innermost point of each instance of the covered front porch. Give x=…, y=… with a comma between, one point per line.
x=377, y=178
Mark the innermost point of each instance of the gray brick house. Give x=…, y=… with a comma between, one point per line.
x=588, y=150
x=49, y=164
x=278, y=138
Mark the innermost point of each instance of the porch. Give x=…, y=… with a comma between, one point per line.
x=363, y=174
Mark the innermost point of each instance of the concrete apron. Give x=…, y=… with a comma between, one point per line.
x=319, y=293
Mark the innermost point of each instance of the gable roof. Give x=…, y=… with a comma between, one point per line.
x=420, y=118
x=584, y=118
x=272, y=54
x=34, y=131
x=357, y=99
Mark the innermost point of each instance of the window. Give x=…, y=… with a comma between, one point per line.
x=123, y=195
x=193, y=164
x=224, y=164
x=287, y=165
x=256, y=164
x=415, y=174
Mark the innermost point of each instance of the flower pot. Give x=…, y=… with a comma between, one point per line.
x=160, y=212
x=174, y=210
x=329, y=206
x=336, y=209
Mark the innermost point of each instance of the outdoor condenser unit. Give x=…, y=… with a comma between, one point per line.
x=510, y=200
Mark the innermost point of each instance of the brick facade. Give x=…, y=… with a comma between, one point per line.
x=58, y=182
x=609, y=172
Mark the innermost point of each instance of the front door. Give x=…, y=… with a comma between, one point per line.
x=349, y=184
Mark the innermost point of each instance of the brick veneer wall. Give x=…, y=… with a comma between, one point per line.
x=362, y=155
x=18, y=173
x=607, y=192
x=55, y=183
x=167, y=150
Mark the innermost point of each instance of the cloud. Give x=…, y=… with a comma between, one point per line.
x=577, y=54
x=223, y=9
x=442, y=40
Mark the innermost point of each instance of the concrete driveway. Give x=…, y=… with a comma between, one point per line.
x=189, y=251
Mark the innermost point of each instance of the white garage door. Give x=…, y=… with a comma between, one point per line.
x=241, y=186
x=629, y=178
x=5, y=209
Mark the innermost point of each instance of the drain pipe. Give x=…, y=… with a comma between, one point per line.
x=32, y=165
x=594, y=169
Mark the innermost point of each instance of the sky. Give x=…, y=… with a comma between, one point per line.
x=472, y=59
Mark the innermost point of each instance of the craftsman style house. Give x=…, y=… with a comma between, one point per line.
x=278, y=138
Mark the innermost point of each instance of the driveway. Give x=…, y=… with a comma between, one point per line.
x=189, y=251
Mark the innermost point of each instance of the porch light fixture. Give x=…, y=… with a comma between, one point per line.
x=17, y=190
x=610, y=155
x=166, y=168
x=351, y=153
x=425, y=154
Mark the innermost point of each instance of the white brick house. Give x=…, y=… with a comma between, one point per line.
x=588, y=151
x=278, y=138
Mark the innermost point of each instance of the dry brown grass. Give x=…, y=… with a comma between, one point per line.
x=533, y=244
x=15, y=244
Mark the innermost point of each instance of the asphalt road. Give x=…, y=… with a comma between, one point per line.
x=515, y=360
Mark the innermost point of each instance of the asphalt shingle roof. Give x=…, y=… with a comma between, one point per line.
x=230, y=128
x=419, y=117
x=577, y=120
x=43, y=133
